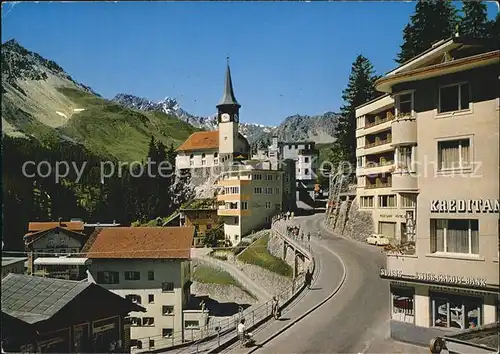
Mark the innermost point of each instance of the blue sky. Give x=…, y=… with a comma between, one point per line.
x=286, y=57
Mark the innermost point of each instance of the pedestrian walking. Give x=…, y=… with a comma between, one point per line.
x=308, y=278
x=319, y=234
x=308, y=236
x=302, y=236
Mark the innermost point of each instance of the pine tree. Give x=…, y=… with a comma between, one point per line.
x=432, y=21
x=474, y=22
x=360, y=89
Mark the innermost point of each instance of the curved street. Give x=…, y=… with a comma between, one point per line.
x=355, y=317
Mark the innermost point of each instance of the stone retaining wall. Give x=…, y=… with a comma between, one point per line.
x=354, y=223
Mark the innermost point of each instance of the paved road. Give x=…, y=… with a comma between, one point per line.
x=353, y=319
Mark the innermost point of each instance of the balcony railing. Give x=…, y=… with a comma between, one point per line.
x=378, y=142
x=388, y=118
x=379, y=185
x=370, y=164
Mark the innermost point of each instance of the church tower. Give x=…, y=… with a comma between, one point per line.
x=228, y=118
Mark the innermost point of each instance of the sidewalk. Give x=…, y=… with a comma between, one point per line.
x=389, y=345
x=240, y=276
x=321, y=288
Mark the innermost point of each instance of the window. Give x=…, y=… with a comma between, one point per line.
x=278, y=206
x=108, y=278
x=455, y=236
x=296, y=146
x=151, y=275
x=306, y=159
x=405, y=104
x=132, y=275
x=306, y=171
x=277, y=190
x=167, y=287
x=235, y=221
x=74, y=250
x=367, y=202
x=408, y=201
x=216, y=158
x=453, y=311
x=454, y=97
x=257, y=177
x=404, y=158
x=359, y=161
x=269, y=190
x=402, y=305
x=136, y=299
x=232, y=190
x=167, y=332
x=203, y=159
x=151, y=343
x=148, y=321
x=257, y=190
x=192, y=324
x=167, y=310
x=151, y=298
x=268, y=205
x=135, y=321
x=191, y=160
x=244, y=205
x=387, y=201
x=277, y=177
x=388, y=229
x=50, y=242
x=360, y=142
x=269, y=177
x=208, y=215
x=454, y=154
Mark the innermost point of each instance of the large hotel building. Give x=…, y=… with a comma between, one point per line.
x=433, y=186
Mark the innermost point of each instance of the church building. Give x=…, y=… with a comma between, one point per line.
x=213, y=148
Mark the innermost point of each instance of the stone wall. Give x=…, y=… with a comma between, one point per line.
x=353, y=223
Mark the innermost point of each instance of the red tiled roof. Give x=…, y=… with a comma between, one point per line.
x=70, y=225
x=141, y=242
x=201, y=141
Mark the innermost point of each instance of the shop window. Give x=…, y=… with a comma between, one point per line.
x=192, y=324
x=151, y=275
x=454, y=236
x=454, y=97
x=167, y=332
x=402, y=305
x=167, y=287
x=388, y=229
x=167, y=310
x=148, y=321
x=107, y=278
x=453, y=311
x=132, y=275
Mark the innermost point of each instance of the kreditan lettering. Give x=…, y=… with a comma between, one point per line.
x=465, y=206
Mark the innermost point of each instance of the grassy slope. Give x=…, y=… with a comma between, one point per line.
x=258, y=254
x=324, y=151
x=208, y=275
x=106, y=127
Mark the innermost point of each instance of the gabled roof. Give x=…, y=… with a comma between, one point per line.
x=69, y=225
x=34, y=299
x=6, y=261
x=201, y=141
x=204, y=141
x=34, y=236
x=141, y=243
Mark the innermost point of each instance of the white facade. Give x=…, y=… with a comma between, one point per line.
x=196, y=159
x=159, y=285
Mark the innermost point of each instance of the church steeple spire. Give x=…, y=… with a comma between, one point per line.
x=228, y=98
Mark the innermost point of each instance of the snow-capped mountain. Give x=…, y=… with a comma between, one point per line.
x=169, y=106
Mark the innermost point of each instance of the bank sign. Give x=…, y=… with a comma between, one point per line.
x=434, y=278
x=465, y=206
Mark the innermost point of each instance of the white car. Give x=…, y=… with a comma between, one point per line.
x=377, y=240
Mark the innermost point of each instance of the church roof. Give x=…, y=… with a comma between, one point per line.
x=201, y=141
x=228, y=97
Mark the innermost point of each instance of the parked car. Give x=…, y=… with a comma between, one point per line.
x=377, y=240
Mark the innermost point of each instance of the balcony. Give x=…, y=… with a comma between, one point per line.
x=404, y=130
x=378, y=119
x=380, y=181
x=375, y=168
x=404, y=180
x=378, y=144
x=232, y=212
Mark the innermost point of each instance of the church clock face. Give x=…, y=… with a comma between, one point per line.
x=224, y=117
